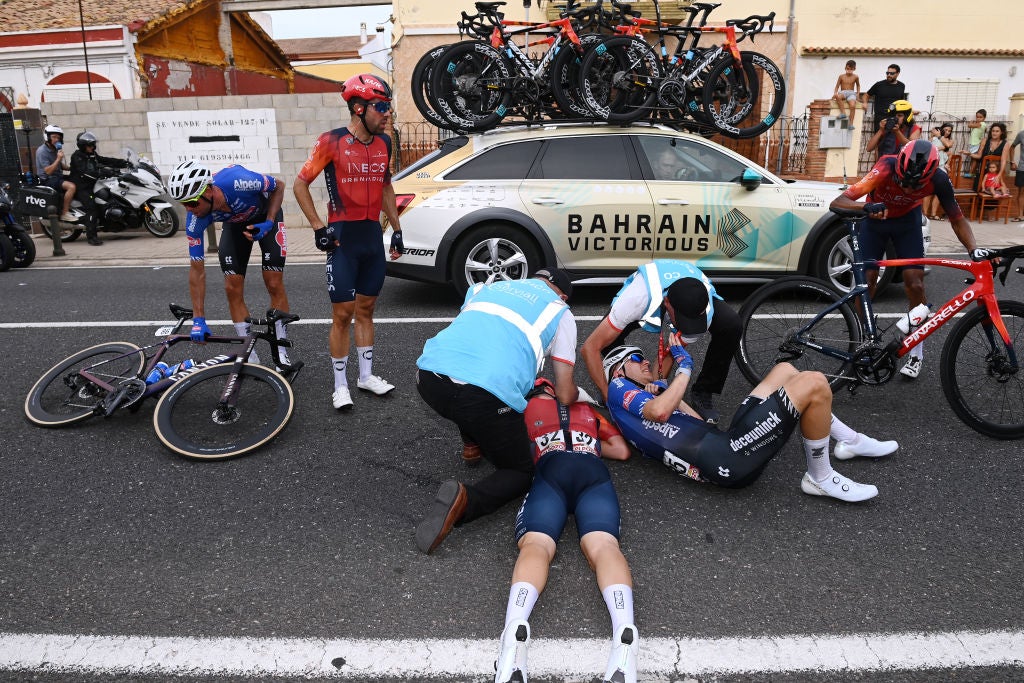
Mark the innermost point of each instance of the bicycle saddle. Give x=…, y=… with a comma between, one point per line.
x=488, y=6
x=848, y=213
x=180, y=312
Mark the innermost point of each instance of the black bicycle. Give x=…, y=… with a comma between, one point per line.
x=220, y=408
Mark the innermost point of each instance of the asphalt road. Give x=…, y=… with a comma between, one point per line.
x=103, y=531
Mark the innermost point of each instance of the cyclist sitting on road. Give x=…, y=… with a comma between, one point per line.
x=654, y=418
x=685, y=294
x=568, y=443
x=896, y=187
x=248, y=205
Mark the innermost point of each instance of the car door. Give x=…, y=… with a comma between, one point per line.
x=587, y=192
x=704, y=215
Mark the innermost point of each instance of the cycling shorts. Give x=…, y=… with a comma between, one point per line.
x=904, y=231
x=565, y=483
x=235, y=248
x=357, y=265
x=759, y=430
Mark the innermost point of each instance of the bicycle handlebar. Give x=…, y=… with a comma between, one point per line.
x=753, y=24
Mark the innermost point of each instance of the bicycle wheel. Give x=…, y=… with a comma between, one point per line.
x=565, y=77
x=470, y=83
x=421, y=75
x=619, y=79
x=771, y=317
x=977, y=378
x=189, y=422
x=62, y=396
x=743, y=103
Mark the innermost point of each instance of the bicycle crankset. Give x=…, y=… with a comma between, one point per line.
x=128, y=393
x=873, y=364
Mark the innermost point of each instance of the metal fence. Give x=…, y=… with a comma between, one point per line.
x=782, y=149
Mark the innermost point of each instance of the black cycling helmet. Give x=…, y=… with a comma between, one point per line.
x=916, y=163
x=86, y=139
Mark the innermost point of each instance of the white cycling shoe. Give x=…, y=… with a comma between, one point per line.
x=865, y=447
x=341, y=398
x=838, y=486
x=511, y=664
x=622, y=661
x=375, y=384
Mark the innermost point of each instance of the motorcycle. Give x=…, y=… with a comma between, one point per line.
x=127, y=199
x=17, y=248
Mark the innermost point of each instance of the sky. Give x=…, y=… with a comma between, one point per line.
x=336, y=21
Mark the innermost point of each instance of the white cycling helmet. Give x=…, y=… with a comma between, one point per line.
x=188, y=180
x=614, y=358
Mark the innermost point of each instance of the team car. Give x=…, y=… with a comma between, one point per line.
x=599, y=200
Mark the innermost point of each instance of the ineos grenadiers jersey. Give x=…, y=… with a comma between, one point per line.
x=246, y=194
x=880, y=186
x=356, y=174
x=544, y=425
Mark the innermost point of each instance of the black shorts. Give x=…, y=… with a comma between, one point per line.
x=235, y=248
x=1018, y=181
x=357, y=265
x=904, y=231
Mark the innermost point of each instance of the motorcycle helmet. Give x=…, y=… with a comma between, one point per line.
x=901, y=107
x=916, y=163
x=188, y=180
x=86, y=139
x=366, y=87
x=53, y=130
x=616, y=357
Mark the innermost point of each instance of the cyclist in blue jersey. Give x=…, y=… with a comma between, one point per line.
x=568, y=443
x=248, y=206
x=679, y=290
x=477, y=371
x=654, y=418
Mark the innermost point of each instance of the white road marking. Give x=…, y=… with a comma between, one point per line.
x=158, y=323
x=577, y=659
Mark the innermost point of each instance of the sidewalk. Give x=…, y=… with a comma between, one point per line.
x=140, y=248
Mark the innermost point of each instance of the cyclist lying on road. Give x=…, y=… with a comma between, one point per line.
x=653, y=417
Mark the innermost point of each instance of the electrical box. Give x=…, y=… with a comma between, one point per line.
x=836, y=132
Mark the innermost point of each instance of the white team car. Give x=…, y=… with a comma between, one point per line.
x=599, y=200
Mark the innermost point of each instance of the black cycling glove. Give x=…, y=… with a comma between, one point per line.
x=874, y=207
x=325, y=239
x=397, y=245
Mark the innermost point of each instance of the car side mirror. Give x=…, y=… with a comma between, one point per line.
x=750, y=179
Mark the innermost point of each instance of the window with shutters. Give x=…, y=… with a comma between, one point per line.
x=962, y=97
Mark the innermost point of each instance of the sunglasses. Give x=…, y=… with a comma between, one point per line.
x=891, y=73
x=381, y=107
x=191, y=203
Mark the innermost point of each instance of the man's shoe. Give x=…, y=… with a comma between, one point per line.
x=342, y=399
x=375, y=384
x=622, y=661
x=448, y=507
x=471, y=454
x=838, y=486
x=94, y=240
x=912, y=368
x=865, y=447
x=704, y=403
x=68, y=217
x=511, y=664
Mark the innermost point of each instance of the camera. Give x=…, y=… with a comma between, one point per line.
x=890, y=123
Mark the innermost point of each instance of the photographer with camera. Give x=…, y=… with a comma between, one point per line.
x=895, y=129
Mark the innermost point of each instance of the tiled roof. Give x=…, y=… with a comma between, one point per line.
x=911, y=51
x=319, y=48
x=35, y=15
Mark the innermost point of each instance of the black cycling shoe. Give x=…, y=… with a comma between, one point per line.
x=704, y=403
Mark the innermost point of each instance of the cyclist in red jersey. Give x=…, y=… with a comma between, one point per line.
x=895, y=189
x=356, y=162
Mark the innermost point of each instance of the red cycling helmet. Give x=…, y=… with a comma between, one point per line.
x=366, y=87
x=916, y=163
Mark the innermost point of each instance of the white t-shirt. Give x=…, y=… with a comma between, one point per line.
x=563, y=344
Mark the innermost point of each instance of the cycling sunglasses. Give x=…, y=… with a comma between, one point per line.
x=192, y=203
x=381, y=107
x=635, y=357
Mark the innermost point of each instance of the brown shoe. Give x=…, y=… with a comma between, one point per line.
x=448, y=507
x=471, y=455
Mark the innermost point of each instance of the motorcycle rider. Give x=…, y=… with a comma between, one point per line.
x=50, y=168
x=86, y=168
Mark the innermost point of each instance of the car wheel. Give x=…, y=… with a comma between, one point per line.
x=833, y=260
x=492, y=253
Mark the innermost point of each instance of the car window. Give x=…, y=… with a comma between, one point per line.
x=588, y=157
x=504, y=162
x=447, y=147
x=677, y=159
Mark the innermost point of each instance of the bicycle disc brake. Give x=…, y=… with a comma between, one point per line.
x=873, y=364
x=1000, y=367
x=226, y=415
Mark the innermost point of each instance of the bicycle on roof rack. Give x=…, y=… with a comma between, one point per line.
x=219, y=408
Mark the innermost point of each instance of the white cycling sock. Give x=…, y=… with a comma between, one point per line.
x=340, y=366
x=818, y=464
x=521, y=599
x=618, y=597
x=840, y=431
x=365, y=361
x=242, y=329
